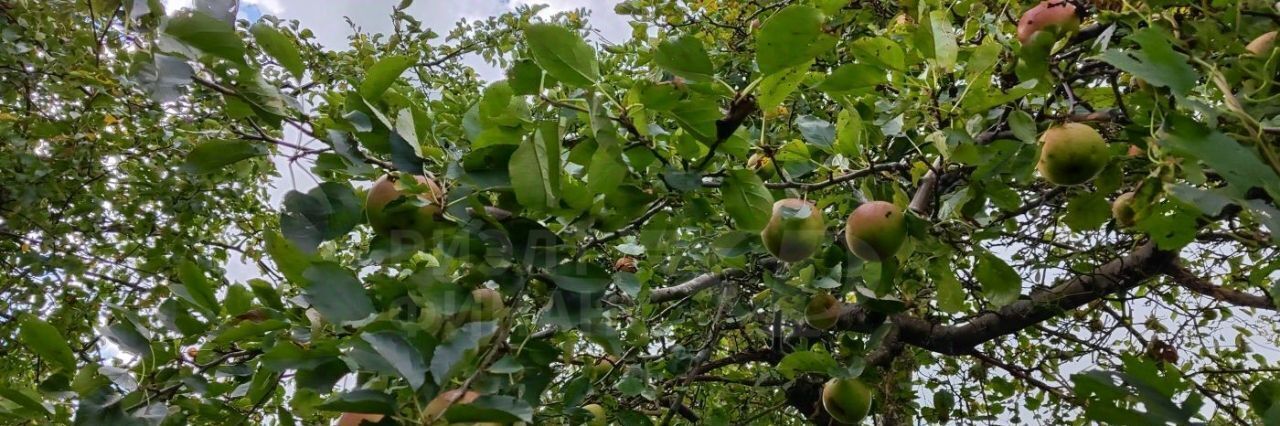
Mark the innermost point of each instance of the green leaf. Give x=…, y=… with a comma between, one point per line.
x=212, y=156
x=791, y=37
x=46, y=341
x=1023, y=126
x=1087, y=211
x=178, y=317
x=291, y=261
x=535, y=169
x=194, y=288
x=384, y=73
x=1156, y=62
x=336, y=293
x=801, y=362
x=698, y=117
x=26, y=398
x=775, y=88
x=1001, y=284
x=401, y=354
x=360, y=401
x=286, y=356
x=403, y=155
x=325, y=212
x=880, y=51
x=128, y=338
x=945, y=49
x=606, y=171
x=247, y=330
x=816, y=131
x=459, y=348
x=1240, y=165
x=525, y=77
x=746, y=199
x=568, y=309
x=500, y=409
x=1171, y=224
x=686, y=58
x=1209, y=202
x=237, y=299
x=276, y=44
x=563, y=54
x=853, y=78
x=850, y=135
x=950, y=293
x=1264, y=396
x=209, y=34
x=581, y=277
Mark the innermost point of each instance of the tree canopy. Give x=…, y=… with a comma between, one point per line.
x=1065, y=214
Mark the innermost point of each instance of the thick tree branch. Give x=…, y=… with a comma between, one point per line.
x=923, y=199
x=693, y=286
x=1113, y=277
x=1193, y=282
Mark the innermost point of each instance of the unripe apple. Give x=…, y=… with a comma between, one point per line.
x=762, y=165
x=436, y=408
x=1262, y=45
x=357, y=419
x=603, y=366
x=487, y=305
x=1122, y=210
x=1057, y=17
x=875, y=230
x=598, y=416
x=384, y=191
x=795, y=231
x=625, y=264
x=846, y=400
x=823, y=311
x=1072, y=154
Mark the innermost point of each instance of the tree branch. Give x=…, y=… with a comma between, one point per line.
x=831, y=181
x=1113, y=277
x=1193, y=282
x=741, y=108
x=693, y=286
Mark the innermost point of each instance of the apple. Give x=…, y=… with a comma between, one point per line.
x=762, y=165
x=1055, y=17
x=385, y=191
x=487, y=305
x=823, y=311
x=1122, y=210
x=795, y=231
x=875, y=230
x=599, y=416
x=846, y=400
x=1072, y=154
x=1262, y=45
x=436, y=408
x=358, y=419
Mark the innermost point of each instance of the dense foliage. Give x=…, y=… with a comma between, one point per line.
x=583, y=240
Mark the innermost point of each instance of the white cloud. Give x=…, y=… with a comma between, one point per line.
x=273, y=7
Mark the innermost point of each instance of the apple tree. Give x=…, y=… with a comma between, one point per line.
x=744, y=212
